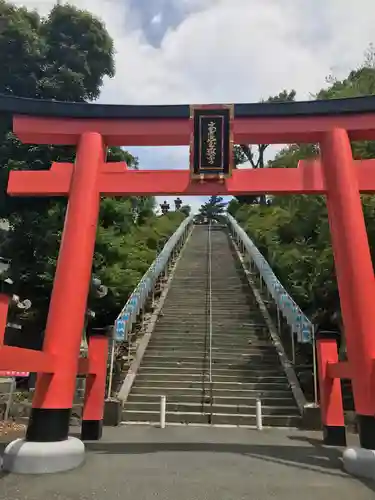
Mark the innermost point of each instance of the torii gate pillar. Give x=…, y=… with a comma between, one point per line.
x=47, y=445
x=355, y=273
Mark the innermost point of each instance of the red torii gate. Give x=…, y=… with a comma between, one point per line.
x=92, y=128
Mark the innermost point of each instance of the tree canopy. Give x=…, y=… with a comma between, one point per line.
x=293, y=232
x=66, y=56
x=255, y=154
x=212, y=209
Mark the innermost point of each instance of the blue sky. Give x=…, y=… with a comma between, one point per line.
x=211, y=51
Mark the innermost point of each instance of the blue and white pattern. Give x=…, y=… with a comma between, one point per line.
x=295, y=318
x=137, y=299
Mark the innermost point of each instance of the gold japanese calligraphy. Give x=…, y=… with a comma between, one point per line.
x=211, y=143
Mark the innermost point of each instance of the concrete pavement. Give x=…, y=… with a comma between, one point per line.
x=198, y=463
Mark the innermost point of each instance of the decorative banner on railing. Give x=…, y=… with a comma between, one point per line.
x=298, y=322
x=211, y=145
x=137, y=299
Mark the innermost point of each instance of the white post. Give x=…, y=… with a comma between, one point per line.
x=163, y=405
x=293, y=348
x=111, y=365
x=258, y=409
x=314, y=367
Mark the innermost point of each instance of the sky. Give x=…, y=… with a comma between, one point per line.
x=224, y=51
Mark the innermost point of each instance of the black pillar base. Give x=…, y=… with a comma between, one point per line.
x=91, y=430
x=366, y=431
x=334, y=435
x=48, y=425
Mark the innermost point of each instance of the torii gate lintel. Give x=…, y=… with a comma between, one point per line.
x=115, y=179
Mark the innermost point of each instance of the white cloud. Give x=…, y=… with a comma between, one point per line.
x=157, y=19
x=231, y=51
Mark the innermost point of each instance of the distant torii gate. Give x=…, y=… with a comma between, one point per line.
x=93, y=127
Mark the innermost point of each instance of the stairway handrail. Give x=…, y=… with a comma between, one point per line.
x=210, y=300
x=296, y=319
x=138, y=297
x=210, y=313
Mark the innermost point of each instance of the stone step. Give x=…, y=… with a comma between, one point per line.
x=245, y=364
x=199, y=396
x=234, y=385
x=234, y=344
x=218, y=419
x=244, y=344
x=203, y=371
x=216, y=352
x=222, y=393
x=235, y=300
x=202, y=335
x=179, y=357
x=177, y=334
x=203, y=363
x=228, y=325
x=200, y=303
x=199, y=317
x=241, y=377
x=206, y=407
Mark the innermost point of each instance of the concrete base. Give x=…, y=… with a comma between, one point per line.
x=29, y=457
x=359, y=462
x=112, y=412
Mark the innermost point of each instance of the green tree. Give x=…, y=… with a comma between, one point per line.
x=66, y=56
x=293, y=233
x=186, y=209
x=255, y=155
x=213, y=209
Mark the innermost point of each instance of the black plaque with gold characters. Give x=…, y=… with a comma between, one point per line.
x=211, y=145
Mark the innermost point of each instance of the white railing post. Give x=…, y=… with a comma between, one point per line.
x=163, y=407
x=315, y=371
x=258, y=411
x=111, y=365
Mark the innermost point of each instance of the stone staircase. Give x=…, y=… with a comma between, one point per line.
x=245, y=364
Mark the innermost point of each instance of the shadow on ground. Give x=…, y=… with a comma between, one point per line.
x=298, y=456
x=310, y=455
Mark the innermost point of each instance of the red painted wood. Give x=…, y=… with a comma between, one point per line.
x=67, y=309
x=176, y=132
x=17, y=358
x=331, y=407
x=93, y=407
x=116, y=180
x=4, y=306
x=354, y=269
x=341, y=370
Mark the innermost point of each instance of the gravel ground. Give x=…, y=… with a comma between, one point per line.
x=197, y=463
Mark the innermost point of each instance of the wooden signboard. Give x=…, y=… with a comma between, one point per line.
x=211, y=145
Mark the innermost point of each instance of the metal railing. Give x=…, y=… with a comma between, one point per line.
x=300, y=325
x=210, y=301
x=210, y=327
x=138, y=297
